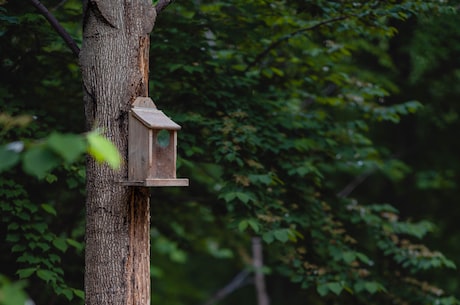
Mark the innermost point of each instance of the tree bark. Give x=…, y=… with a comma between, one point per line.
x=114, y=64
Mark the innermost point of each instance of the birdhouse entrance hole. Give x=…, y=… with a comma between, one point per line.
x=163, y=138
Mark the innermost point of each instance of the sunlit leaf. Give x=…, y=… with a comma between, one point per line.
x=12, y=293
x=103, y=150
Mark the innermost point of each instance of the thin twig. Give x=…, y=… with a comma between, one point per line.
x=289, y=36
x=162, y=4
x=57, y=26
x=350, y=187
x=59, y=5
x=235, y=283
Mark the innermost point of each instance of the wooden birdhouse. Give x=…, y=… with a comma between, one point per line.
x=152, y=143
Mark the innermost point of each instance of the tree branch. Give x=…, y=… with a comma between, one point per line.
x=259, y=279
x=59, y=5
x=57, y=26
x=162, y=4
x=289, y=36
x=234, y=284
x=350, y=187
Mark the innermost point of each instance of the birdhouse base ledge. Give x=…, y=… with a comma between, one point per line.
x=158, y=182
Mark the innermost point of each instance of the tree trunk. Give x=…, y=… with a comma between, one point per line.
x=114, y=65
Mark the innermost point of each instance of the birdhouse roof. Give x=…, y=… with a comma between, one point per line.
x=154, y=118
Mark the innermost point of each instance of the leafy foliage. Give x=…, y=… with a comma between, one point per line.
x=281, y=105
x=287, y=118
x=41, y=157
x=41, y=135
x=35, y=246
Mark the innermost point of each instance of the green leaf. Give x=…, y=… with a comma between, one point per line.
x=254, y=225
x=242, y=226
x=53, y=258
x=13, y=238
x=364, y=258
x=18, y=248
x=447, y=301
x=28, y=258
x=12, y=293
x=358, y=287
x=264, y=179
x=449, y=264
x=8, y=19
x=40, y=227
x=216, y=251
x=243, y=197
x=50, y=178
x=8, y=158
x=349, y=257
x=103, y=150
x=77, y=245
x=38, y=161
x=68, y=293
x=49, y=209
x=61, y=244
x=322, y=289
x=43, y=246
x=46, y=275
x=335, y=287
x=282, y=235
x=13, y=226
x=26, y=272
x=68, y=146
x=268, y=237
x=79, y=293
x=228, y=196
x=372, y=287
x=325, y=288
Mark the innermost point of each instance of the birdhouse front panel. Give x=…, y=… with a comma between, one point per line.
x=152, y=146
x=139, y=150
x=164, y=155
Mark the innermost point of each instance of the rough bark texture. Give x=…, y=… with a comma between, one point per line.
x=114, y=65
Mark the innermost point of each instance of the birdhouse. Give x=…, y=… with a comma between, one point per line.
x=152, y=142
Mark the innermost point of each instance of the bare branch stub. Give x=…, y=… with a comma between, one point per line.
x=162, y=4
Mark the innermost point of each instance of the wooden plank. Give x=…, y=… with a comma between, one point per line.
x=144, y=102
x=154, y=118
x=139, y=150
x=167, y=182
x=132, y=183
x=157, y=182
